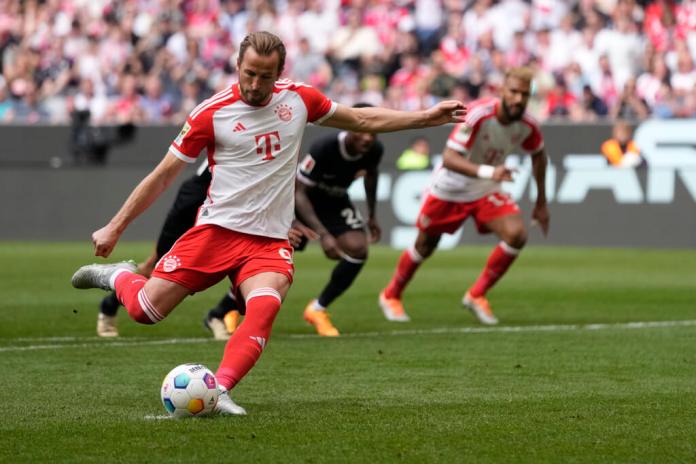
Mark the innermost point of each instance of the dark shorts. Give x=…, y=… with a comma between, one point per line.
x=337, y=213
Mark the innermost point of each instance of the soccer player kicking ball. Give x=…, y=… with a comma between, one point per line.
x=252, y=132
x=469, y=184
x=221, y=320
x=322, y=202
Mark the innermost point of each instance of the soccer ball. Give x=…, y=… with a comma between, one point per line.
x=189, y=390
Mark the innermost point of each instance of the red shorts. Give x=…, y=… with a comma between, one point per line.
x=205, y=254
x=439, y=216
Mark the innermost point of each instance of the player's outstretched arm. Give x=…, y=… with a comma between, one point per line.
x=139, y=200
x=540, y=214
x=375, y=119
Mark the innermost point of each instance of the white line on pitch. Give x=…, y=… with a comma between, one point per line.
x=394, y=333
x=516, y=329
x=108, y=344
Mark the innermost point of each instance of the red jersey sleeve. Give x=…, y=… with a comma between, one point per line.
x=319, y=106
x=196, y=135
x=534, y=141
x=458, y=139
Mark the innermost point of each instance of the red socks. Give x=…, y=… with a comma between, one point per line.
x=129, y=290
x=247, y=342
x=409, y=262
x=498, y=263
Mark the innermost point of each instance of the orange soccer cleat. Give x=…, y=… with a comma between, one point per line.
x=232, y=320
x=320, y=320
x=481, y=308
x=393, y=309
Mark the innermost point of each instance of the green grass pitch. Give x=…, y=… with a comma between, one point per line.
x=566, y=377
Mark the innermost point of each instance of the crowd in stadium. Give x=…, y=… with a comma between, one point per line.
x=151, y=61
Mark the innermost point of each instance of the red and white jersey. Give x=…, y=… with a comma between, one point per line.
x=484, y=140
x=252, y=153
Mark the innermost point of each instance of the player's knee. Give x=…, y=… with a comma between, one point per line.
x=426, y=245
x=357, y=252
x=516, y=237
x=424, y=250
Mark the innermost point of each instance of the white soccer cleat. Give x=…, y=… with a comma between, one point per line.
x=481, y=309
x=226, y=407
x=106, y=326
x=393, y=309
x=99, y=275
x=217, y=327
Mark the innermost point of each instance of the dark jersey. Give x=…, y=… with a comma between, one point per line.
x=329, y=167
x=182, y=215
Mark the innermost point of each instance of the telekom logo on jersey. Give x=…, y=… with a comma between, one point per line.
x=267, y=144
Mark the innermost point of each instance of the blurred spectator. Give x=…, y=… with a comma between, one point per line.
x=563, y=42
x=623, y=47
x=630, y=105
x=593, y=105
x=659, y=22
x=665, y=104
x=428, y=17
x=351, y=49
x=416, y=156
x=410, y=76
x=684, y=77
x=453, y=47
x=649, y=82
x=156, y=107
x=621, y=150
x=28, y=109
x=5, y=103
x=440, y=82
x=559, y=100
x=353, y=40
x=372, y=90
x=518, y=54
x=126, y=108
x=310, y=67
x=478, y=21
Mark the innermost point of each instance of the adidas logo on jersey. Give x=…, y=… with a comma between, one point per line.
x=239, y=127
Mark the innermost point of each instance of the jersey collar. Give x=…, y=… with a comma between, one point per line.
x=343, y=149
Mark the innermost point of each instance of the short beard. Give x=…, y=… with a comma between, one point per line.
x=509, y=115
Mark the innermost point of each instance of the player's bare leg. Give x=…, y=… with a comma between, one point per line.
x=354, y=247
x=263, y=294
x=409, y=262
x=511, y=230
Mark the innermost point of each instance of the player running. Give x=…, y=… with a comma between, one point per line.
x=252, y=132
x=469, y=184
x=322, y=202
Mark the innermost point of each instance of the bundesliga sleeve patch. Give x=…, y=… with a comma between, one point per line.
x=307, y=164
x=182, y=134
x=463, y=134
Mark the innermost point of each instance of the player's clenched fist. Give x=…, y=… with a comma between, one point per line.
x=104, y=241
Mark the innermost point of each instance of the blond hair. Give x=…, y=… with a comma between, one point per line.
x=264, y=43
x=522, y=73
